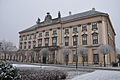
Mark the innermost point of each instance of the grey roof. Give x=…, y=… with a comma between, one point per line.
x=64, y=19
x=81, y=15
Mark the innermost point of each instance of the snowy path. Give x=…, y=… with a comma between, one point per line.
x=99, y=75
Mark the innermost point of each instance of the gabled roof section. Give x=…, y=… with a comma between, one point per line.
x=65, y=19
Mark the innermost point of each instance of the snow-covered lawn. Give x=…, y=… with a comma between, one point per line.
x=99, y=75
x=26, y=65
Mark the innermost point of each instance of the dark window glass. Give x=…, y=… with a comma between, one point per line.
x=74, y=40
x=95, y=38
x=94, y=26
x=46, y=33
x=46, y=41
x=39, y=42
x=84, y=39
x=66, y=41
x=34, y=36
x=34, y=44
x=66, y=31
x=84, y=27
x=54, y=41
x=96, y=58
x=29, y=44
x=74, y=29
x=25, y=45
x=21, y=44
x=40, y=34
x=30, y=37
x=54, y=32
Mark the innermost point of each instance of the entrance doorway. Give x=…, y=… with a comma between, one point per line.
x=44, y=60
x=95, y=58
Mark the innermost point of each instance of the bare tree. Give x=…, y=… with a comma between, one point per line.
x=31, y=54
x=81, y=50
x=118, y=55
x=6, y=47
x=105, y=49
x=44, y=53
x=21, y=53
x=66, y=51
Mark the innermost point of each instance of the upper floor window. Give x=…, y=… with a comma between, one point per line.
x=21, y=38
x=95, y=38
x=30, y=37
x=40, y=34
x=84, y=39
x=74, y=29
x=25, y=38
x=66, y=31
x=29, y=45
x=25, y=45
x=34, y=44
x=21, y=44
x=94, y=25
x=39, y=42
x=84, y=27
x=46, y=33
x=46, y=41
x=75, y=40
x=54, y=32
x=34, y=36
x=54, y=41
x=67, y=41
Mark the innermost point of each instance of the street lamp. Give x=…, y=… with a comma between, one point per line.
x=76, y=50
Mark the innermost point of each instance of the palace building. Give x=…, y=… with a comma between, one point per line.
x=90, y=29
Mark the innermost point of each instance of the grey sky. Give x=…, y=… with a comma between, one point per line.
x=17, y=15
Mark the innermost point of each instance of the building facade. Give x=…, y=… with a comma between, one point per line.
x=90, y=29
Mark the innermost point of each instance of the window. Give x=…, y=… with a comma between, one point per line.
x=66, y=31
x=30, y=37
x=39, y=42
x=84, y=39
x=25, y=45
x=21, y=44
x=74, y=29
x=54, y=41
x=46, y=33
x=74, y=40
x=34, y=36
x=34, y=44
x=95, y=38
x=84, y=27
x=29, y=45
x=95, y=58
x=40, y=34
x=46, y=41
x=94, y=26
x=75, y=57
x=54, y=32
x=67, y=41
x=21, y=38
x=25, y=38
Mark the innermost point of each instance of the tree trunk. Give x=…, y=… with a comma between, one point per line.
x=104, y=61
x=83, y=60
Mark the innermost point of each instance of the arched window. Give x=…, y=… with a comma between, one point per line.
x=95, y=38
x=84, y=39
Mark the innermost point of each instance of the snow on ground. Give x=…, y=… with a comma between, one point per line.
x=26, y=65
x=99, y=75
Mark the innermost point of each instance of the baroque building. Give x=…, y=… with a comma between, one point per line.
x=90, y=29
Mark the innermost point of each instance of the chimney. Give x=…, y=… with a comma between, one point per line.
x=93, y=9
x=70, y=13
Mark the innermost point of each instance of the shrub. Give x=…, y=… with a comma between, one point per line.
x=43, y=74
x=8, y=72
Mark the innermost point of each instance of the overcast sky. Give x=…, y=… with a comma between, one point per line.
x=17, y=15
